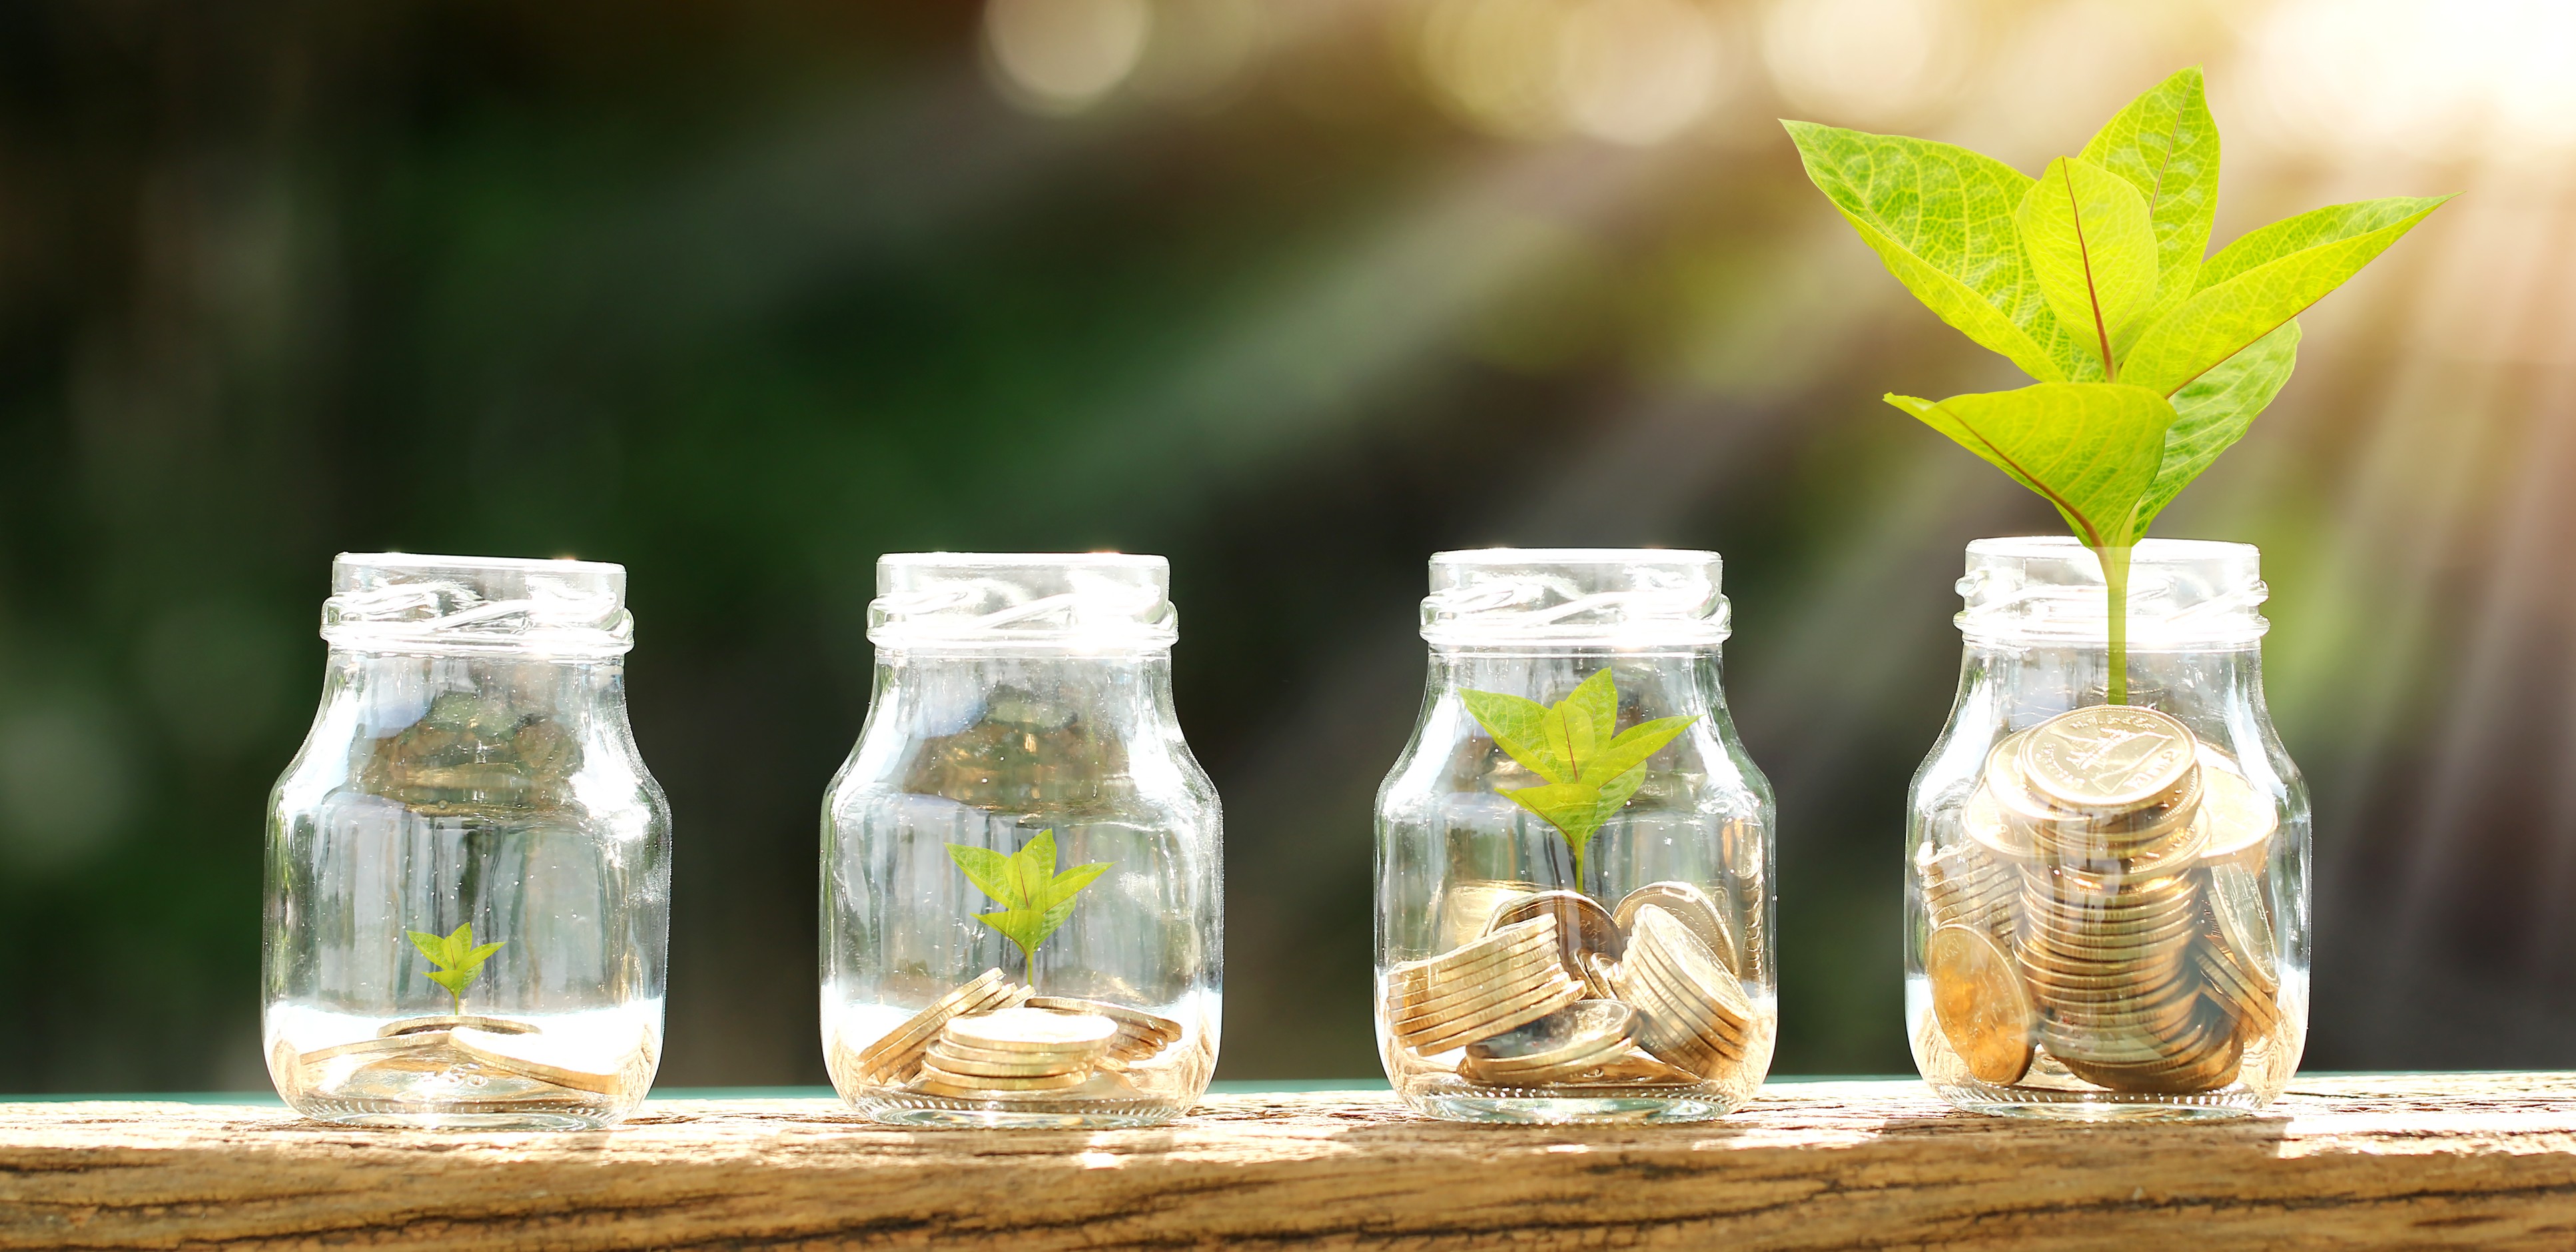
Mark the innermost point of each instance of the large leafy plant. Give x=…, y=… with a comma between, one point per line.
x=1035, y=899
x=1591, y=768
x=2152, y=357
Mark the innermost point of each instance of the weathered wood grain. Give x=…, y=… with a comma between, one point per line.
x=2484, y=1160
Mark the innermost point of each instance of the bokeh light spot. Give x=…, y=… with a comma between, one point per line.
x=1062, y=56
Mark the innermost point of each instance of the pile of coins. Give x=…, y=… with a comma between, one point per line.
x=1141, y=1035
x=990, y=1039
x=895, y=1057
x=1558, y=991
x=1014, y=1051
x=423, y=1059
x=2081, y=917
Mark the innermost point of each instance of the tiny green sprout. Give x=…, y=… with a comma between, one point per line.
x=2152, y=358
x=1590, y=771
x=1035, y=899
x=457, y=958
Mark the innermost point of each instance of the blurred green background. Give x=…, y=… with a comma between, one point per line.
x=744, y=295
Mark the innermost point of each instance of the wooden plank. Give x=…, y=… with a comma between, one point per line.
x=2421, y=1160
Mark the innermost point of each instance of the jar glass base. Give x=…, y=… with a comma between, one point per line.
x=941, y=1112
x=1460, y=1103
x=2100, y=1106
x=551, y=1115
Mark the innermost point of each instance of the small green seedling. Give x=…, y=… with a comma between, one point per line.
x=2151, y=359
x=1035, y=899
x=1590, y=771
x=457, y=958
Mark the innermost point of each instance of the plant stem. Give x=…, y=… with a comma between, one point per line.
x=1032, y=954
x=2115, y=585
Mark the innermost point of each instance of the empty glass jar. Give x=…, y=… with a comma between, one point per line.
x=1574, y=853
x=1021, y=859
x=2107, y=905
x=468, y=867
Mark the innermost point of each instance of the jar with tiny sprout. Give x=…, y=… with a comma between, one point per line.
x=2107, y=903
x=1021, y=859
x=1574, y=911
x=468, y=870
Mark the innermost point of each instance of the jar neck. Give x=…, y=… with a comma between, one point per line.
x=1123, y=692
x=2028, y=684
x=1678, y=682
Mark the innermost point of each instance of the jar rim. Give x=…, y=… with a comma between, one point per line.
x=1626, y=598
x=1069, y=602
x=2049, y=589
x=418, y=603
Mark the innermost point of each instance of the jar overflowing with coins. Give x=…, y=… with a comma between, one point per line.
x=1021, y=859
x=2107, y=904
x=1574, y=852
x=468, y=866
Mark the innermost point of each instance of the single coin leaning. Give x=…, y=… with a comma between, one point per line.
x=2241, y=820
x=452, y=1021
x=2108, y=756
x=1978, y=998
x=532, y=1056
x=1690, y=906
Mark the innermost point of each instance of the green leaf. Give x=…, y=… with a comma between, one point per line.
x=1036, y=900
x=2255, y=285
x=432, y=946
x=2212, y=412
x=1573, y=808
x=2165, y=144
x=2092, y=249
x=1630, y=750
x=454, y=980
x=1519, y=728
x=1590, y=711
x=1940, y=219
x=2090, y=449
x=474, y=960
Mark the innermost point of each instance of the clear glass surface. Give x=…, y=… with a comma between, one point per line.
x=2125, y=956
x=1614, y=1019
x=470, y=767
x=1020, y=702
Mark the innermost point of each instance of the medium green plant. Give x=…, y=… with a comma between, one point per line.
x=2151, y=358
x=1035, y=899
x=458, y=960
x=1590, y=771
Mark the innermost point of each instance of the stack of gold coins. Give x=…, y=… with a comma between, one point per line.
x=1691, y=907
x=1015, y=1051
x=1140, y=1034
x=2236, y=955
x=1564, y=1046
x=896, y=1056
x=1964, y=885
x=1507, y=978
x=2107, y=799
x=1585, y=931
x=1697, y=1017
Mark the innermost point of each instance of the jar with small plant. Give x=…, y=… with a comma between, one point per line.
x=2108, y=847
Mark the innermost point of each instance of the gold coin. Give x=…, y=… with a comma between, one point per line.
x=1475, y=959
x=1413, y=1018
x=1980, y=1003
x=2241, y=819
x=918, y=1030
x=1547, y=1000
x=1576, y=1032
x=1032, y=1030
x=2107, y=756
x=1690, y=906
x=451, y=1021
x=948, y=1060
x=931, y=1073
x=1675, y=1013
x=1582, y=925
x=1691, y=968
x=554, y=1060
x=2236, y=903
x=1988, y=828
x=1136, y=1020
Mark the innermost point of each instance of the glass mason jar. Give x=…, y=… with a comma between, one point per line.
x=1574, y=852
x=468, y=866
x=1021, y=859
x=2107, y=905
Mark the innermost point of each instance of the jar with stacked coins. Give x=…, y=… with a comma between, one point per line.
x=1021, y=858
x=468, y=866
x=1574, y=852
x=2107, y=904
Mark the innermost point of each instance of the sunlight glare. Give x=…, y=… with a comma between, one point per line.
x=1872, y=62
